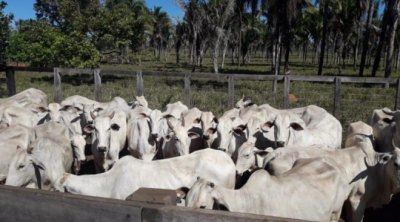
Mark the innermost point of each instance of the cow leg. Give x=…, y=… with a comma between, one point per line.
x=99, y=167
x=355, y=210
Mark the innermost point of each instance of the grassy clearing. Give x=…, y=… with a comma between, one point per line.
x=358, y=100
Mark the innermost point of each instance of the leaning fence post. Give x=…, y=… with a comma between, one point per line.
x=97, y=85
x=57, y=86
x=274, y=86
x=139, y=83
x=286, y=80
x=187, y=90
x=336, y=104
x=231, y=92
x=10, y=75
x=397, y=102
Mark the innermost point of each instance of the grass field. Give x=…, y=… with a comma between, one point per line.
x=358, y=100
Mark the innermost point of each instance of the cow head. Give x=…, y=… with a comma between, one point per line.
x=157, y=125
x=90, y=111
x=208, y=124
x=243, y=102
x=26, y=170
x=101, y=128
x=250, y=157
x=180, y=137
x=285, y=125
x=205, y=195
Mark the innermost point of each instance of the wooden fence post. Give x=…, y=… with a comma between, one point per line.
x=57, y=86
x=397, y=102
x=274, y=86
x=286, y=80
x=139, y=83
x=97, y=85
x=187, y=90
x=10, y=75
x=336, y=104
x=231, y=92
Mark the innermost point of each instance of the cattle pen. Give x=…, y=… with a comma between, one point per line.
x=336, y=94
x=349, y=99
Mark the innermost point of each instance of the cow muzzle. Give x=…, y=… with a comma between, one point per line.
x=102, y=149
x=206, y=137
x=90, y=121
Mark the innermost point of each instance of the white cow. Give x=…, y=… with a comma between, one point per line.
x=14, y=115
x=24, y=98
x=357, y=132
x=315, y=184
x=292, y=130
x=243, y=103
x=46, y=160
x=371, y=177
x=108, y=133
x=11, y=139
x=77, y=141
x=175, y=109
x=130, y=174
x=209, y=125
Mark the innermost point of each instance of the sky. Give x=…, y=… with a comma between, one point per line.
x=23, y=9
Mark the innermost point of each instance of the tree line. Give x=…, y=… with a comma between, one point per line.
x=69, y=33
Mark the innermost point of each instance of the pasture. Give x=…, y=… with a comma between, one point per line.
x=357, y=100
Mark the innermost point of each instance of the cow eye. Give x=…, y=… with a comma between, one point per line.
x=247, y=155
x=21, y=166
x=108, y=129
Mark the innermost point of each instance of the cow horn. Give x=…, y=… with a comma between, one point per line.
x=387, y=111
x=243, y=97
x=183, y=120
x=112, y=115
x=92, y=115
x=393, y=143
x=133, y=95
x=170, y=125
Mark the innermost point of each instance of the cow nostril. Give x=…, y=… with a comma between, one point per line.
x=102, y=149
x=155, y=135
x=206, y=137
x=280, y=144
x=90, y=122
x=202, y=207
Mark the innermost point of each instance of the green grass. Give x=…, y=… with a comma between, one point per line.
x=358, y=100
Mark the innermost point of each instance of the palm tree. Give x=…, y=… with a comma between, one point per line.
x=367, y=34
x=160, y=21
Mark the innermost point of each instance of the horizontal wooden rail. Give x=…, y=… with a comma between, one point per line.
x=22, y=204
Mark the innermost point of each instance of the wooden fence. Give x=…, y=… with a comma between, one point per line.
x=9, y=80
x=23, y=204
x=97, y=73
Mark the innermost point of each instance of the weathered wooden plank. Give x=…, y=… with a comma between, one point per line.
x=32, y=69
x=153, y=196
x=11, y=86
x=118, y=72
x=139, y=83
x=57, y=86
x=21, y=204
x=286, y=92
x=373, y=80
x=187, y=90
x=326, y=79
x=397, y=102
x=231, y=91
x=258, y=77
x=97, y=85
x=336, y=102
x=183, y=214
x=75, y=71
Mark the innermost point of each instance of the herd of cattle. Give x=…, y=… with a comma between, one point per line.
x=297, y=164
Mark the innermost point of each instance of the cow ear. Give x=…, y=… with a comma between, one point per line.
x=215, y=119
x=267, y=126
x=111, y=116
x=115, y=127
x=182, y=192
x=99, y=109
x=65, y=108
x=239, y=129
x=78, y=110
x=42, y=109
x=298, y=126
x=193, y=135
x=385, y=158
x=386, y=120
x=88, y=128
x=29, y=150
x=212, y=130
